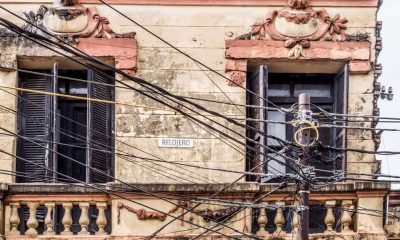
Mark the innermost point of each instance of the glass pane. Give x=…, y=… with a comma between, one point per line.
x=315, y=90
x=61, y=87
x=279, y=90
x=78, y=88
x=276, y=129
x=274, y=167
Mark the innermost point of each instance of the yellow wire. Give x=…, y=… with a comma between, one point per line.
x=82, y=98
x=312, y=126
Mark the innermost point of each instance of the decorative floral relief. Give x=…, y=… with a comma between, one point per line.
x=143, y=214
x=298, y=24
x=72, y=21
x=207, y=214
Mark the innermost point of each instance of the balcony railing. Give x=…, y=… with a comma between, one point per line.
x=52, y=211
x=327, y=218
x=57, y=215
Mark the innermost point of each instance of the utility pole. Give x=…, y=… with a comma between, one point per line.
x=304, y=190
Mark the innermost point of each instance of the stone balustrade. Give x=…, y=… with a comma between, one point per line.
x=61, y=211
x=34, y=218
x=327, y=218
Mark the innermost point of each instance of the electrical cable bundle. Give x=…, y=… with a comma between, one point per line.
x=190, y=109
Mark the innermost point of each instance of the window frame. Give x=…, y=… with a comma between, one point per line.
x=331, y=102
x=49, y=113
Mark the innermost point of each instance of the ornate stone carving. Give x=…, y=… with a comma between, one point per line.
x=219, y=215
x=298, y=4
x=207, y=214
x=67, y=2
x=143, y=214
x=297, y=24
x=72, y=21
x=67, y=14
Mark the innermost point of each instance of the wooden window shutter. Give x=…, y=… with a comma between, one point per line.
x=256, y=153
x=341, y=106
x=34, y=123
x=99, y=128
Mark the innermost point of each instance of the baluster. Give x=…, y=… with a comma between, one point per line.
x=49, y=219
x=14, y=219
x=295, y=220
x=67, y=219
x=32, y=222
x=279, y=218
x=262, y=222
x=101, y=220
x=330, y=217
x=348, y=208
x=84, y=218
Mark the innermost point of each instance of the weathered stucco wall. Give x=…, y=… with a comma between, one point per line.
x=201, y=32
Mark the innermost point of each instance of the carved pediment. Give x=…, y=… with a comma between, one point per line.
x=297, y=24
x=72, y=21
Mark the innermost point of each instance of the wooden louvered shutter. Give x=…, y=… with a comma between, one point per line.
x=34, y=124
x=99, y=128
x=256, y=153
x=341, y=106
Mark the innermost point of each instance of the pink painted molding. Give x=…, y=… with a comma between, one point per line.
x=342, y=51
x=124, y=51
x=239, y=52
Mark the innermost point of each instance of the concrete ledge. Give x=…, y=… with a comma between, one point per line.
x=184, y=188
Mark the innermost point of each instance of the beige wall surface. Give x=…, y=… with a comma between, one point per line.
x=199, y=31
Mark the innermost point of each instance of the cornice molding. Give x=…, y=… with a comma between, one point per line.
x=316, y=3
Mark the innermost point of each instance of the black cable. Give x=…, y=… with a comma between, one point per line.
x=123, y=197
x=362, y=208
x=105, y=174
x=187, y=55
x=126, y=88
x=284, y=156
x=42, y=146
x=358, y=150
x=175, y=108
x=141, y=82
x=281, y=186
x=137, y=80
x=188, y=108
x=108, y=66
x=119, y=154
x=83, y=137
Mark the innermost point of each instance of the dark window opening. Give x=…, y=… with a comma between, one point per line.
x=328, y=92
x=56, y=129
x=72, y=135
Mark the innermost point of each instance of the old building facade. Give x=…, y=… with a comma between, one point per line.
x=168, y=147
